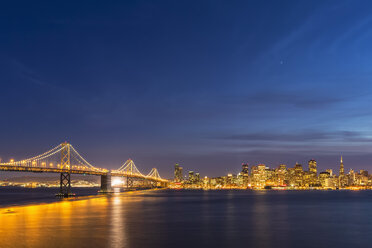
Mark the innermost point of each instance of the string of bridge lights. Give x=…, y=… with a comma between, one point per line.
x=128, y=168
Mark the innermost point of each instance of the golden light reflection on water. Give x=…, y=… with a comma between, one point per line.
x=91, y=222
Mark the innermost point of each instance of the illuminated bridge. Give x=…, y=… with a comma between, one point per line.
x=64, y=159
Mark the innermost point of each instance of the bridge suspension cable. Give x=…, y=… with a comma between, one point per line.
x=56, y=159
x=81, y=160
x=64, y=158
x=154, y=174
x=130, y=168
x=35, y=159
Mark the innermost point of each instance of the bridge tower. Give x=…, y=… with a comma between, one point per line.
x=65, y=180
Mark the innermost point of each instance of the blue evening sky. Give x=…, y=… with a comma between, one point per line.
x=208, y=84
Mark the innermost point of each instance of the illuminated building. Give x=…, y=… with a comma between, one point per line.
x=191, y=177
x=363, y=177
x=178, y=177
x=259, y=175
x=270, y=177
x=206, y=182
x=341, y=177
x=342, y=171
x=263, y=177
x=322, y=178
x=244, y=175
x=229, y=180
x=197, y=177
x=245, y=168
x=312, y=166
x=291, y=176
x=330, y=183
x=282, y=175
x=330, y=171
x=298, y=175
x=254, y=176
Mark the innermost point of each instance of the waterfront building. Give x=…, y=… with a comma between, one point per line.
x=261, y=176
x=270, y=177
x=312, y=166
x=254, y=175
x=323, y=176
x=342, y=171
x=341, y=177
x=330, y=183
x=191, y=177
x=197, y=177
x=178, y=177
x=244, y=175
x=351, y=178
x=363, y=177
x=282, y=175
x=245, y=168
x=298, y=175
x=206, y=182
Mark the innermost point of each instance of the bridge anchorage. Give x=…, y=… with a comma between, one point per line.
x=65, y=160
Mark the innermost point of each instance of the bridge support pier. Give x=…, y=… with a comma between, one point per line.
x=65, y=185
x=130, y=182
x=106, y=184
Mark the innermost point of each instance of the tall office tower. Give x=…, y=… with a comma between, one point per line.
x=245, y=175
x=178, y=173
x=312, y=166
x=197, y=177
x=191, y=177
x=245, y=169
x=342, y=171
x=282, y=174
x=254, y=175
x=298, y=173
x=262, y=175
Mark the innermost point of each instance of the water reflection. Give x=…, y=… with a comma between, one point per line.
x=117, y=224
x=193, y=219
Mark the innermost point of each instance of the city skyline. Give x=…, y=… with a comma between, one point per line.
x=198, y=123
x=228, y=169
x=282, y=177
x=231, y=168
x=208, y=85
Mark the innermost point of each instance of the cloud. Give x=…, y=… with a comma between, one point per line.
x=307, y=100
x=27, y=73
x=304, y=136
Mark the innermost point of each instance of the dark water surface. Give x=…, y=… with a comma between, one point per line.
x=164, y=218
x=15, y=196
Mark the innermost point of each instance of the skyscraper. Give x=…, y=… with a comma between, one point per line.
x=197, y=177
x=312, y=166
x=245, y=168
x=178, y=173
x=342, y=171
x=245, y=174
x=191, y=177
x=341, y=176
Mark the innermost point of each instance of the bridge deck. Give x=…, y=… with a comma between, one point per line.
x=72, y=171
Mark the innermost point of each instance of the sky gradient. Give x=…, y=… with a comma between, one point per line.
x=207, y=84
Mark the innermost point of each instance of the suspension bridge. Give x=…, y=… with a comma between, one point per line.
x=65, y=160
